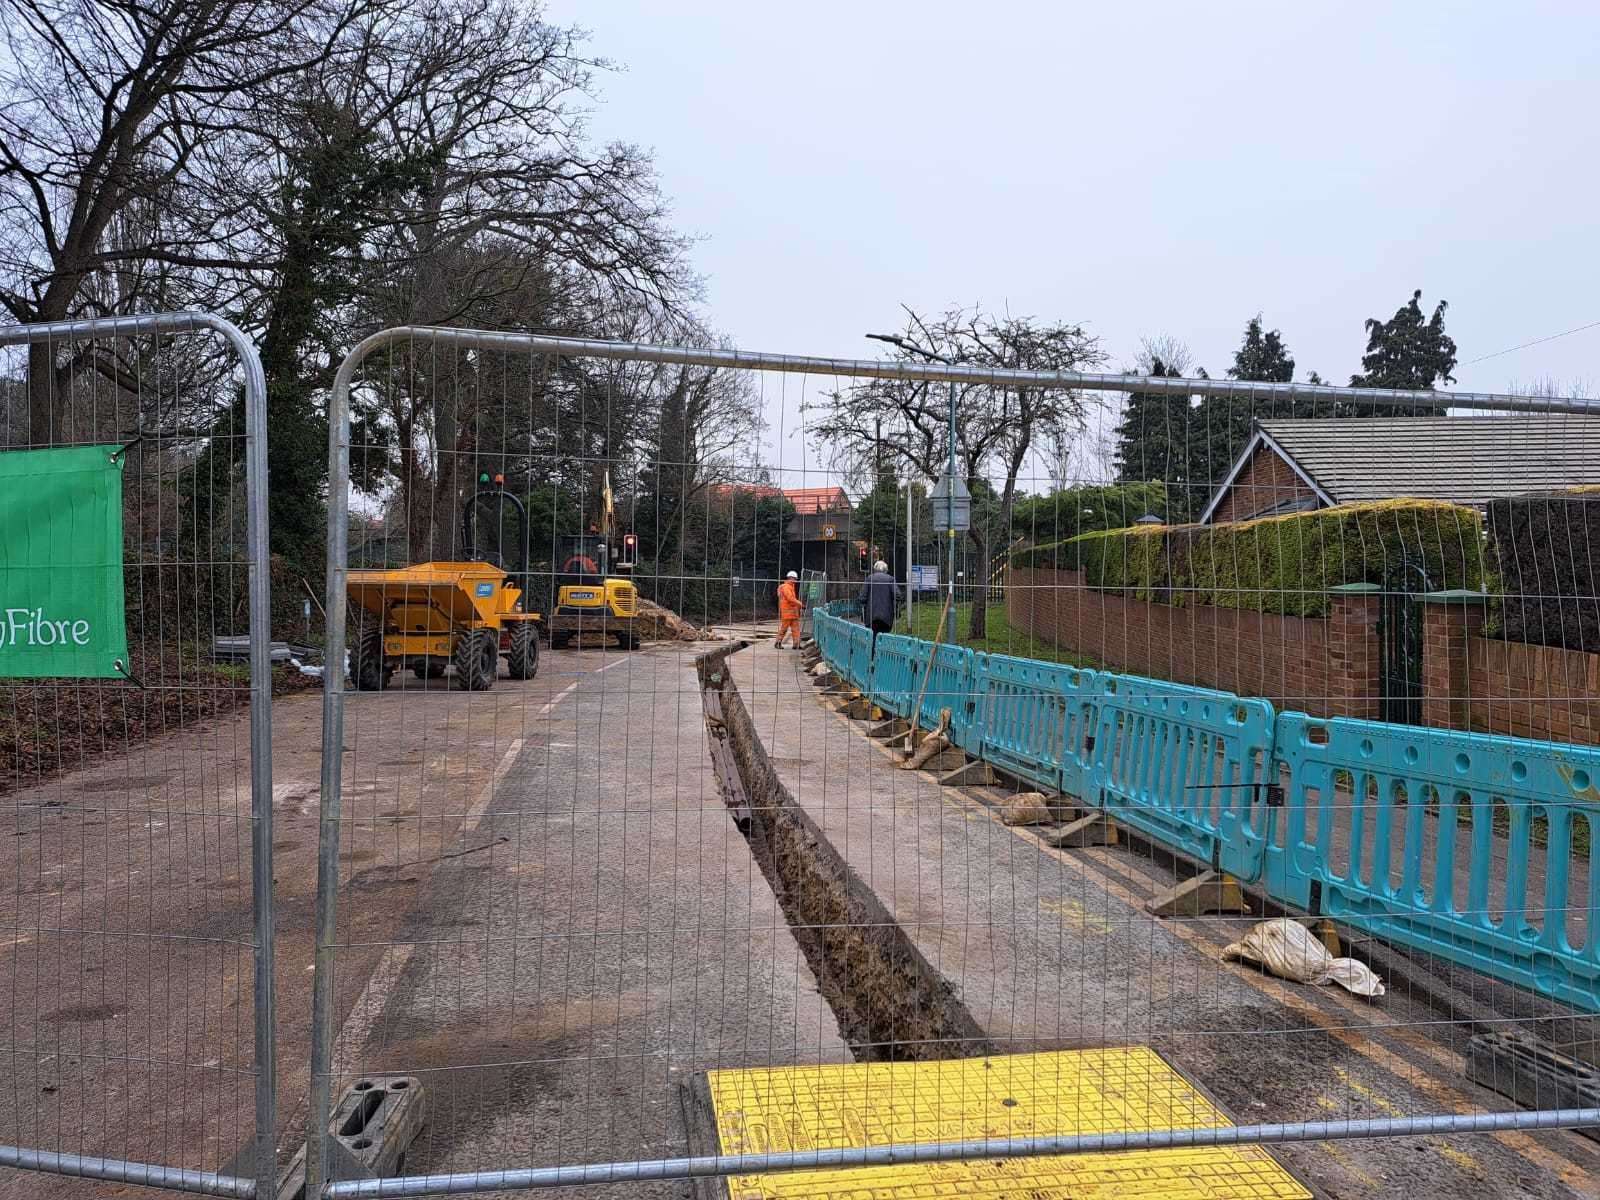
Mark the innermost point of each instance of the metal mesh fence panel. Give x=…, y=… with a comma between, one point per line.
x=136, y=928
x=1211, y=796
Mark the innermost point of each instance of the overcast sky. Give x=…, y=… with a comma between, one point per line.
x=1146, y=169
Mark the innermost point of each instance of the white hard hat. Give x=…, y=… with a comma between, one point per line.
x=880, y=565
x=791, y=575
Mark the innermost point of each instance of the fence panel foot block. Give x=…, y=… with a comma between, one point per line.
x=974, y=773
x=1091, y=829
x=1208, y=892
x=896, y=727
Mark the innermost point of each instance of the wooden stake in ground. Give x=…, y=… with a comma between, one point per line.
x=938, y=634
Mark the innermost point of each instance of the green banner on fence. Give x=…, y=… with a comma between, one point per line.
x=61, y=607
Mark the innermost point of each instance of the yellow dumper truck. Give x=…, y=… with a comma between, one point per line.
x=436, y=615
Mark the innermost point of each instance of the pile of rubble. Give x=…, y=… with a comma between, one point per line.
x=658, y=624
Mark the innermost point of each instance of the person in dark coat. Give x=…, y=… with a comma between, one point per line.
x=880, y=601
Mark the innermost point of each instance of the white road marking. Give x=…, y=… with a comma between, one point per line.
x=369, y=1005
x=560, y=696
x=364, y=1013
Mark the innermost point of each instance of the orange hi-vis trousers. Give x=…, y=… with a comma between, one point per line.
x=786, y=626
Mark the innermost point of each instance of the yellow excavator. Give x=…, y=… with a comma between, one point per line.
x=593, y=594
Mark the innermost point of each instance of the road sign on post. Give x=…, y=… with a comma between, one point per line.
x=951, y=504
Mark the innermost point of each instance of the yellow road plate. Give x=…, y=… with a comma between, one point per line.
x=1018, y=1095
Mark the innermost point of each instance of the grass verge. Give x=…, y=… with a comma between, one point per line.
x=1001, y=637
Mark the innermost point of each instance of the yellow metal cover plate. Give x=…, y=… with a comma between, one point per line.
x=1119, y=1089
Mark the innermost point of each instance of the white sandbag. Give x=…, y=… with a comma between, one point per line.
x=1291, y=951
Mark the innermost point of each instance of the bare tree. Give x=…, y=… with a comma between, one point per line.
x=1172, y=354
x=105, y=110
x=997, y=426
x=509, y=219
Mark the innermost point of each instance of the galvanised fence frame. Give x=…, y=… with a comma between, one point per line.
x=175, y=639
x=1187, y=766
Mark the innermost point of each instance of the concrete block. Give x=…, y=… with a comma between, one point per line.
x=945, y=761
x=1092, y=829
x=1208, y=892
x=372, y=1127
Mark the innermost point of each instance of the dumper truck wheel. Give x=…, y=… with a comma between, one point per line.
x=367, y=669
x=522, y=657
x=477, y=659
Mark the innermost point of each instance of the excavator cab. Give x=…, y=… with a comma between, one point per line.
x=585, y=560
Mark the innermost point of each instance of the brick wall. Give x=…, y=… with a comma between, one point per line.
x=1266, y=481
x=1327, y=667
x=1323, y=666
x=1524, y=690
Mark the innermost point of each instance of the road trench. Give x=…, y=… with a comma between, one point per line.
x=891, y=1005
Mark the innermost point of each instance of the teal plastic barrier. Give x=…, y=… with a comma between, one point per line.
x=831, y=634
x=895, y=673
x=1455, y=844
x=1188, y=766
x=860, y=638
x=949, y=685
x=1034, y=719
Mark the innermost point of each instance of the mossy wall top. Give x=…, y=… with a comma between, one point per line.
x=1282, y=564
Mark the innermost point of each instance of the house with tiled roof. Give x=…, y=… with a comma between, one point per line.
x=1299, y=465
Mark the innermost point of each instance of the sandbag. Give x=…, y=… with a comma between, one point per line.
x=1291, y=951
x=1026, y=808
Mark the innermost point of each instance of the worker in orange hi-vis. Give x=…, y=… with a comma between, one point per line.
x=790, y=607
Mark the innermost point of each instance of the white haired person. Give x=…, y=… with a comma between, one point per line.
x=790, y=606
x=880, y=601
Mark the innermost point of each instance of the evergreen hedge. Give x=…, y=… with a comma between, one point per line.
x=1545, y=549
x=1281, y=564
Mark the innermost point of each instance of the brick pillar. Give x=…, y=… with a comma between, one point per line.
x=1353, y=682
x=1448, y=620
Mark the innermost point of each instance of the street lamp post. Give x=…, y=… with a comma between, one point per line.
x=950, y=477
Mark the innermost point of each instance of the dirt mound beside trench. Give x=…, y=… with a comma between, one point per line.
x=659, y=624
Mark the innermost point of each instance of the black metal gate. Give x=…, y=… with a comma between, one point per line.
x=1400, y=642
